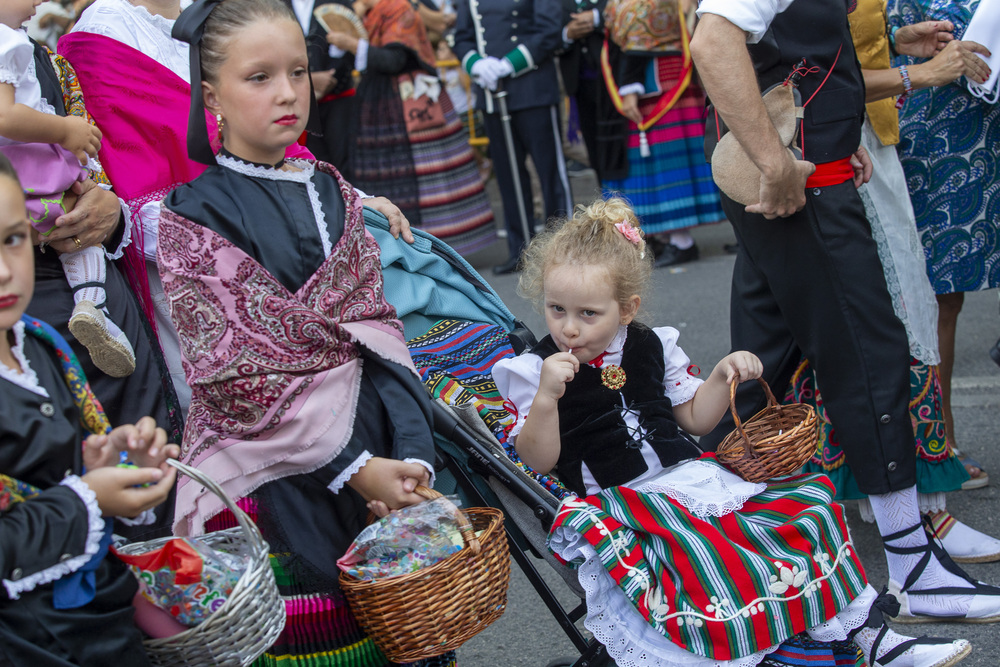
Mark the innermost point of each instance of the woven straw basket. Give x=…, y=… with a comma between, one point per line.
x=776, y=441
x=253, y=616
x=436, y=609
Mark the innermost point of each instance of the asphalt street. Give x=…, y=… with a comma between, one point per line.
x=695, y=299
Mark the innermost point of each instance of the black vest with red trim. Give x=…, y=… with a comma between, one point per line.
x=816, y=30
x=591, y=426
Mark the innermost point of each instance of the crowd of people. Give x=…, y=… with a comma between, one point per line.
x=182, y=195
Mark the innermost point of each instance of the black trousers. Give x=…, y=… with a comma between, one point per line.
x=813, y=284
x=536, y=133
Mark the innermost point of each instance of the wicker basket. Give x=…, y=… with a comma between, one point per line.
x=776, y=441
x=253, y=616
x=431, y=611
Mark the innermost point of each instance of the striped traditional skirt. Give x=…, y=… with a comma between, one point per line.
x=720, y=587
x=453, y=203
x=672, y=188
x=938, y=469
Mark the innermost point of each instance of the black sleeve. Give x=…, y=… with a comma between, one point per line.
x=632, y=69
x=42, y=532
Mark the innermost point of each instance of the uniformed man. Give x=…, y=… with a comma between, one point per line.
x=512, y=43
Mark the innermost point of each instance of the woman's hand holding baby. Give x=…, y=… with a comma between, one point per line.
x=388, y=484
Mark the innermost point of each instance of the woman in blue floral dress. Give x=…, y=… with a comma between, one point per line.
x=949, y=143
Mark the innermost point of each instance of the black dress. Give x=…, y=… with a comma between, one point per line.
x=40, y=444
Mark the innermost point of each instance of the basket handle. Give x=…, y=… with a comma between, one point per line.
x=772, y=402
x=464, y=526
x=246, y=525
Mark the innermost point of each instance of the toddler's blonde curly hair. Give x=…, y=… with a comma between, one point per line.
x=592, y=238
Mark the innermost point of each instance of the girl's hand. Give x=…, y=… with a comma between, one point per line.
x=120, y=492
x=557, y=370
x=745, y=363
x=80, y=138
x=145, y=443
x=388, y=484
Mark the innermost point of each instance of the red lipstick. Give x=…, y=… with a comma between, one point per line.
x=8, y=301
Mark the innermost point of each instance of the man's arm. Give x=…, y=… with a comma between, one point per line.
x=720, y=54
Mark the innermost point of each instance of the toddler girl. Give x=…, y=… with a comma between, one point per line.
x=602, y=400
x=62, y=601
x=305, y=405
x=47, y=150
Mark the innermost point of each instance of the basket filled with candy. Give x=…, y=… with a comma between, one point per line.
x=210, y=599
x=425, y=579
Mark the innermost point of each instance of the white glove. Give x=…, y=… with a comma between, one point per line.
x=483, y=74
x=501, y=67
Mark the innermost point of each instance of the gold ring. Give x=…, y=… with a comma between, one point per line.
x=77, y=242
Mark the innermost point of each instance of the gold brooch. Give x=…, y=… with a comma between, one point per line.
x=613, y=377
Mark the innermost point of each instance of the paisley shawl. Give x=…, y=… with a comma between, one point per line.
x=273, y=372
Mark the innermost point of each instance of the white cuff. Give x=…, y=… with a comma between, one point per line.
x=361, y=57
x=597, y=18
x=95, y=531
x=630, y=88
x=565, y=37
x=340, y=480
x=147, y=518
x=336, y=52
x=126, y=234
x=363, y=194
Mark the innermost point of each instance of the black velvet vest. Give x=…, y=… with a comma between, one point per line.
x=592, y=429
x=816, y=30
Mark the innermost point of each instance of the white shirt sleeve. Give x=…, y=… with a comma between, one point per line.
x=752, y=16
x=679, y=384
x=517, y=380
x=16, y=55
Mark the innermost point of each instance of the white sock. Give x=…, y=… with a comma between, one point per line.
x=682, y=240
x=86, y=266
x=897, y=511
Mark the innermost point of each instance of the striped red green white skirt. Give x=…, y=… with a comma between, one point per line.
x=723, y=587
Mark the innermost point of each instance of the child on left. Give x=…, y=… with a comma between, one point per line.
x=62, y=601
x=47, y=150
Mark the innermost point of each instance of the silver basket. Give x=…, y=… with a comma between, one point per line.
x=253, y=616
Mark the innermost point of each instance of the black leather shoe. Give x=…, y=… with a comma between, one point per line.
x=672, y=255
x=731, y=248
x=510, y=266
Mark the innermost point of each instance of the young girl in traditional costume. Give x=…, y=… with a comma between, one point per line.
x=305, y=404
x=47, y=151
x=63, y=602
x=684, y=563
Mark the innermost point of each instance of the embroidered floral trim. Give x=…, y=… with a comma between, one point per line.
x=340, y=480
x=785, y=579
x=95, y=531
x=27, y=378
x=304, y=176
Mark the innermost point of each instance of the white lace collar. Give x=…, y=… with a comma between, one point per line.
x=255, y=170
x=27, y=378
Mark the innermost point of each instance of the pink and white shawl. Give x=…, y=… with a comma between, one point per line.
x=275, y=375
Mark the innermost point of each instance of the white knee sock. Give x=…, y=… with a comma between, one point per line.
x=86, y=266
x=897, y=511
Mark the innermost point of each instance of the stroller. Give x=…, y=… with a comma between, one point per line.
x=458, y=328
x=428, y=283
